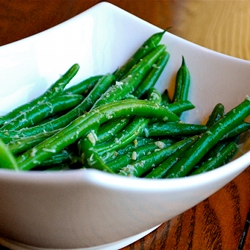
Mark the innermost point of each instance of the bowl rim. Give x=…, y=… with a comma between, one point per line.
x=111, y=181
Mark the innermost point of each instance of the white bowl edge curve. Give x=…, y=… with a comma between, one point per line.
x=95, y=58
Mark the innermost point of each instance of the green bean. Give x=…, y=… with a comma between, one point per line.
x=208, y=139
x=223, y=157
x=83, y=87
x=81, y=126
x=111, y=128
x=182, y=83
x=138, y=142
x=64, y=120
x=178, y=107
x=113, y=154
x=54, y=90
x=142, y=51
x=59, y=167
x=146, y=84
x=161, y=169
x=17, y=146
x=63, y=157
x=126, y=86
x=90, y=156
x=131, y=156
x=216, y=115
x=132, y=130
x=42, y=110
x=173, y=129
x=237, y=130
x=146, y=163
x=8, y=161
x=181, y=106
x=213, y=152
x=216, y=149
x=153, y=75
x=165, y=98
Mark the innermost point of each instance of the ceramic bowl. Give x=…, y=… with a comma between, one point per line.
x=88, y=208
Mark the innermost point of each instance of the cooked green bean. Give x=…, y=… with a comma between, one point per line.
x=237, y=130
x=41, y=111
x=132, y=156
x=111, y=128
x=132, y=130
x=209, y=139
x=54, y=90
x=63, y=157
x=153, y=75
x=84, y=86
x=90, y=157
x=173, y=129
x=146, y=163
x=17, y=146
x=126, y=86
x=181, y=106
x=182, y=83
x=142, y=51
x=160, y=170
x=165, y=98
x=220, y=159
x=65, y=119
x=82, y=125
x=8, y=161
x=216, y=115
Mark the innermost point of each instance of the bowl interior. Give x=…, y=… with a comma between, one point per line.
x=111, y=35
x=103, y=45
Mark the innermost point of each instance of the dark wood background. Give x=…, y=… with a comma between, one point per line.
x=219, y=222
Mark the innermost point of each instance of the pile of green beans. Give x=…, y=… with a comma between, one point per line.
x=120, y=123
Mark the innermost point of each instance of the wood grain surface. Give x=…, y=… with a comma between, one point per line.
x=219, y=222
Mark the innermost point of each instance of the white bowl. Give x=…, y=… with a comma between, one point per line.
x=89, y=208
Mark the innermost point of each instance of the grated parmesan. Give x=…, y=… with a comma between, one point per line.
x=51, y=150
x=134, y=155
x=160, y=144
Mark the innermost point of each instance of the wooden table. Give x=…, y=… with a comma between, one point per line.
x=219, y=222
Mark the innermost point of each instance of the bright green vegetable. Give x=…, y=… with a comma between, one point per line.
x=141, y=52
x=83, y=87
x=146, y=163
x=89, y=155
x=153, y=75
x=216, y=114
x=127, y=85
x=100, y=87
x=83, y=124
x=132, y=130
x=41, y=111
x=173, y=129
x=160, y=170
x=220, y=159
x=17, y=146
x=182, y=83
x=237, y=130
x=7, y=161
x=54, y=90
x=165, y=98
x=209, y=139
x=136, y=154
x=110, y=128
